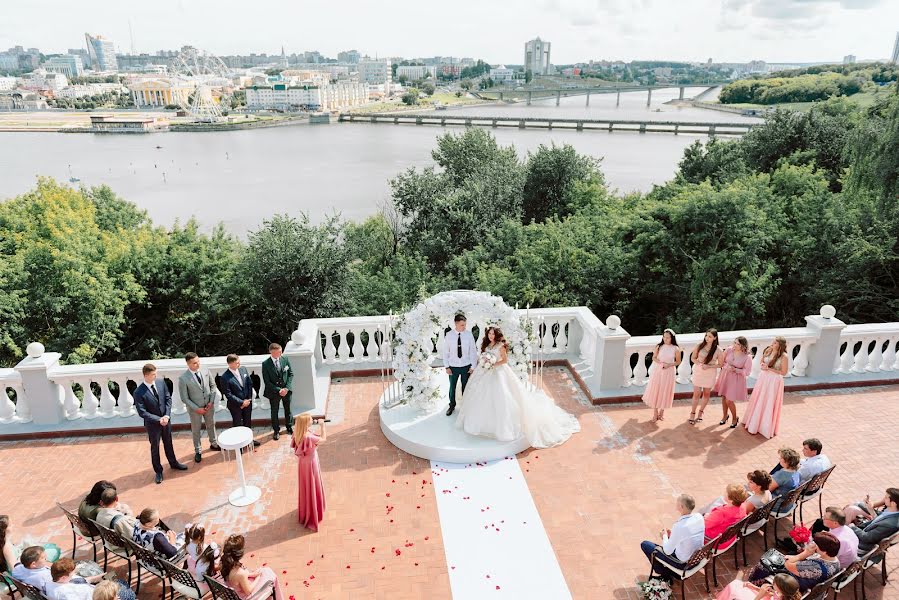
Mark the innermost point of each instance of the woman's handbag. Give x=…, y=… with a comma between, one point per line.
x=774, y=562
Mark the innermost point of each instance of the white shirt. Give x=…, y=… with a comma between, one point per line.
x=70, y=590
x=451, y=349
x=810, y=466
x=687, y=536
x=39, y=578
x=236, y=373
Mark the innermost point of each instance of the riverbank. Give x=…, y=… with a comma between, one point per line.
x=79, y=121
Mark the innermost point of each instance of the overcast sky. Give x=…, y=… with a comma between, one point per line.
x=725, y=30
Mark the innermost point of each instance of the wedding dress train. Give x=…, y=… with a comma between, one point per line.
x=497, y=404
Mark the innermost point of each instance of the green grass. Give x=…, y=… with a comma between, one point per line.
x=862, y=99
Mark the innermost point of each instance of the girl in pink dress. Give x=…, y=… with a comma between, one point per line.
x=763, y=413
x=311, y=506
x=731, y=384
x=706, y=359
x=245, y=582
x=785, y=587
x=659, y=392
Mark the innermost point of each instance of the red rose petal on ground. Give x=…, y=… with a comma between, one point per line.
x=252, y=555
x=417, y=507
x=427, y=538
x=352, y=530
x=382, y=568
x=312, y=577
x=388, y=494
x=308, y=563
x=391, y=520
x=373, y=550
x=416, y=564
x=497, y=587
x=283, y=572
x=348, y=566
x=397, y=551
x=213, y=533
x=488, y=577
x=393, y=481
x=264, y=564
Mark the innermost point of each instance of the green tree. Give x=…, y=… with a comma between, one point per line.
x=716, y=161
x=550, y=175
x=427, y=88
x=466, y=84
x=410, y=97
x=528, y=76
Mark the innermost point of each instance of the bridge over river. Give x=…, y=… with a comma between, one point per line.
x=537, y=94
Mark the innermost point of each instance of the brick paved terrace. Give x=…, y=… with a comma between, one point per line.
x=599, y=495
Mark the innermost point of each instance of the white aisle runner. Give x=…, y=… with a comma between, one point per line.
x=495, y=543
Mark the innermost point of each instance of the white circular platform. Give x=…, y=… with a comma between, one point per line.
x=244, y=496
x=434, y=436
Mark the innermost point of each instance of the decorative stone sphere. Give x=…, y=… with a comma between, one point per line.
x=613, y=322
x=297, y=337
x=828, y=311
x=35, y=349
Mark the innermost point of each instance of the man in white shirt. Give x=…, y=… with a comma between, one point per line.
x=812, y=462
x=679, y=543
x=33, y=567
x=460, y=355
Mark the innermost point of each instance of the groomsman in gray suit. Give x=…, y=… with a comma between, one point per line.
x=198, y=392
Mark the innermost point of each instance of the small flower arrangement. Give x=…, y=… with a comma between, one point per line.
x=655, y=589
x=486, y=361
x=800, y=535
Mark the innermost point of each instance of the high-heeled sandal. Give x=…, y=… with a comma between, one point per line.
x=692, y=419
x=699, y=418
x=736, y=422
x=723, y=421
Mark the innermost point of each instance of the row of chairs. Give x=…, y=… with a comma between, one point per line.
x=173, y=577
x=775, y=510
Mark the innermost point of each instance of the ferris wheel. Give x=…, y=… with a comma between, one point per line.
x=203, y=71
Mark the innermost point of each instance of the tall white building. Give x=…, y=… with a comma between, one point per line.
x=416, y=72
x=375, y=71
x=849, y=59
x=536, y=56
x=348, y=56
x=67, y=64
x=323, y=97
x=101, y=52
x=895, y=58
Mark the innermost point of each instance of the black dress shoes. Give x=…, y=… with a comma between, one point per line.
x=256, y=443
x=276, y=435
x=180, y=467
x=159, y=478
x=197, y=457
x=450, y=410
x=214, y=447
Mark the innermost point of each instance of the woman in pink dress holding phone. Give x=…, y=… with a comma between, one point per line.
x=311, y=501
x=731, y=384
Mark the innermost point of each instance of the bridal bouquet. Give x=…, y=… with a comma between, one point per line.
x=486, y=360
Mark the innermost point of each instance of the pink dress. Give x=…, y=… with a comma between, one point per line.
x=311, y=507
x=265, y=575
x=742, y=590
x=732, y=384
x=659, y=392
x=763, y=412
x=703, y=378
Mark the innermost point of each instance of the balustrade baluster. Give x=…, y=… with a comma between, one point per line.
x=89, y=403
x=369, y=346
x=876, y=356
x=861, y=357
x=23, y=404
x=756, y=362
x=641, y=373
x=889, y=356
x=848, y=355
x=70, y=403
x=178, y=406
x=343, y=351
x=358, y=349
x=684, y=370
x=7, y=408
x=330, y=348
x=107, y=400
x=126, y=401
x=627, y=380
x=546, y=340
x=562, y=338
x=801, y=362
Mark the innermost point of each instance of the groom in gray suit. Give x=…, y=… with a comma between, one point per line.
x=198, y=392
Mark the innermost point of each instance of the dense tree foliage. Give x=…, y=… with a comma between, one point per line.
x=754, y=232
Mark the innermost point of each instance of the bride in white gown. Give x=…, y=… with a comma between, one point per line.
x=497, y=404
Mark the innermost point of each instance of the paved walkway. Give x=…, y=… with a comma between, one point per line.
x=599, y=495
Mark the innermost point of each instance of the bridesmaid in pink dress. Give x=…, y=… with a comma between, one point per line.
x=311, y=507
x=706, y=357
x=659, y=392
x=245, y=582
x=785, y=587
x=763, y=413
x=731, y=384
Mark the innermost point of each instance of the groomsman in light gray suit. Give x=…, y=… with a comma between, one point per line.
x=198, y=392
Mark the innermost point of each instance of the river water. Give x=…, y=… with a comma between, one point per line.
x=240, y=178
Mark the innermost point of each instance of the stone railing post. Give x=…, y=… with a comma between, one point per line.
x=824, y=352
x=608, y=361
x=43, y=395
x=300, y=351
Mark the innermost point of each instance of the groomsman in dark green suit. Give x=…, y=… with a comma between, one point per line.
x=278, y=379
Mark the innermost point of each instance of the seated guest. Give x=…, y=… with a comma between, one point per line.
x=111, y=515
x=243, y=581
x=722, y=517
x=7, y=554
x=105, y=590
x=33, y=567
x=680, y=542
x=811, y=570
x=813, y=462
x=834, y=520
x=201, y=557
x=784, y=587
x=883, y=525
x=759, y=484
x=88, y=508
x=786, y=478
x=146, y=533
x=67, y=585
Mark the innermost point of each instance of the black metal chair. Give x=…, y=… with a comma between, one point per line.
x=86, y=531
x=729, y=539
x=150, y=562
x=698, y=561
x=878, y=554
x=815, y=489
x=846, y=576
x=786, y=507
x=820, y=591
x=757, y=519
x=7, y=587
x=114, y=544
x=182, y=581
x=220, y=591
x=27, y=590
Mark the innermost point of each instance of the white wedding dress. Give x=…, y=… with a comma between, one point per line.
x=497, y=404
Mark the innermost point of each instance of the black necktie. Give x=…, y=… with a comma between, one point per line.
x=155, y=393
x=459, y=346
x=199, y=379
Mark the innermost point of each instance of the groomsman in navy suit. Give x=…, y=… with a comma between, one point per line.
x=154, y=404
x=238, y=389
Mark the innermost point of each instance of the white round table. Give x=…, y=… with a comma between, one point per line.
x=237, y=438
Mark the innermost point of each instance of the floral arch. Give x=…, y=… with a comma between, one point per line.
x=418, y=338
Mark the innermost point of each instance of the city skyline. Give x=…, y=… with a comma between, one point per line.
x=693, y=30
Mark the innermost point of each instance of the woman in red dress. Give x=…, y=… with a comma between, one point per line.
x=311, y=507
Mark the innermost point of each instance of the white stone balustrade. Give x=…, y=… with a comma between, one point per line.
x=607, y=361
